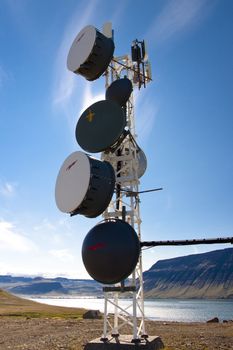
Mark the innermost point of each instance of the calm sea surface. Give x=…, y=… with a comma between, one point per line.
x=160, y=310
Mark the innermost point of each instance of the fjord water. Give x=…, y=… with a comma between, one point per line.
x=160, y=309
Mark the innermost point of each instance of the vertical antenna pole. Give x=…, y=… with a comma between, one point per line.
x=125, y=163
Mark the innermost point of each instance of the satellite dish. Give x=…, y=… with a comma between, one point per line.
x=100, y=126
x=110, y=251
x=84, y=185
x=119, y=91
x=141, y=165
x=142, y=162
x=90, y=53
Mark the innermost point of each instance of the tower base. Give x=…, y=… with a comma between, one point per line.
x=125, y=342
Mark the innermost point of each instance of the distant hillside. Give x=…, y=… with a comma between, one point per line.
x=40, y=288
x=208, y=275
x=11, y=305
x=49, y=286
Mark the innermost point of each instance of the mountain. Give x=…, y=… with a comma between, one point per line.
x=40, y=288
x=50, y=286
x=207, y=275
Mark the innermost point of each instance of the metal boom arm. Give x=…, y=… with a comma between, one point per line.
x=187, y=242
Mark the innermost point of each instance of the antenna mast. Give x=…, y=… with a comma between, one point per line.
x=129, y=162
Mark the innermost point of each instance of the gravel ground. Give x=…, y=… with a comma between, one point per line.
x=50, y=334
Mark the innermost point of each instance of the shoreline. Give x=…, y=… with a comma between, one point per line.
x=50, y=296
x=157, y=310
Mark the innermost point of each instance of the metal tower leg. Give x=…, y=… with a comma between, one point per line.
x=104, y=336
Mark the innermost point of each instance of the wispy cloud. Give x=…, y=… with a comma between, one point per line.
x=146, y=108
x=45, y=225
x=119, y=11
x=7, y=189
x=5, y=76
x=176, y=17
x=2, y=76
x=12, y=240
x=90, y=97
x=65, y=81
x=52, y=233
x=61, y=254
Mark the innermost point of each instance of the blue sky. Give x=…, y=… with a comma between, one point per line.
x=184, y=121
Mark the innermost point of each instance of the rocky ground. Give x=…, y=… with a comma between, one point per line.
x=55, y=333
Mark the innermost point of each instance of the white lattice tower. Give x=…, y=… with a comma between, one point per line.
x=125, y=205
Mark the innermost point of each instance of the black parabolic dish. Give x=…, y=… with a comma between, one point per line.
x=100, y=126
x=119, y=91
x=110, y=251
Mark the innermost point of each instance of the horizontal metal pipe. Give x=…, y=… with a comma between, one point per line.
x=187, y=242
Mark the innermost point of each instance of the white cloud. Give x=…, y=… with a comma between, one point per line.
x=53, y=247
x=12, y=240
x=89, y=97
x=53, y=234
x=53, y=229
x=4, y=76
x=7, y=189
x=61, y=254
x=45, y=225
x=64, y=81
x=176, y=17
x=146, y=111
x=65, y=89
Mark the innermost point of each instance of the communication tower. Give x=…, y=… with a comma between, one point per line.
x=109, y=186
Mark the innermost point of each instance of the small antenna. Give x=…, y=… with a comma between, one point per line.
x=140, y=58
x=107, y=30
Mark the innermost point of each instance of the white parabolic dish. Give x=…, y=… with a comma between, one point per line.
x=72, y=182
x=81, y=48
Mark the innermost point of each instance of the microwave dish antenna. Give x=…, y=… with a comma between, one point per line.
x=100, y=126
x=111, y=251
x=84, y=185
x=90, y=53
